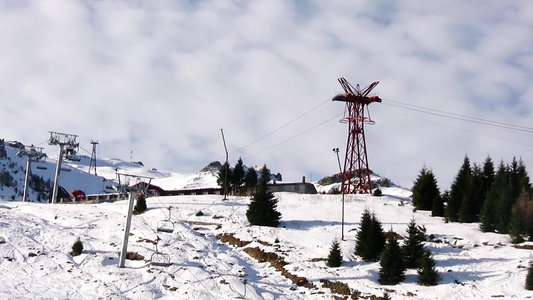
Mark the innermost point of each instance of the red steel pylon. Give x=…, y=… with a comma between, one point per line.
x=356, y=174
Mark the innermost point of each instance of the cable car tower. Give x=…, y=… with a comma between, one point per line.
x=356, y=161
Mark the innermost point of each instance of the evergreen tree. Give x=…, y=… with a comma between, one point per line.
x=335, y=255
x=237, y=178
x=488, y=179
x=77, y=248
x=438, y=205
x=458, y=190
x=490, y=210
x=392, y=268
x=413, y=247
x=529, y=278
x=472, y=199
x=221, y=178
x=517, y=226
x=427, y=274
x=262, y=209
x=522, y=218
x=140, y=205
x=250, y=179
x=425, y=190
x=370, y=238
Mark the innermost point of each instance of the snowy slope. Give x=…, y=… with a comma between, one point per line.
x=472, y=265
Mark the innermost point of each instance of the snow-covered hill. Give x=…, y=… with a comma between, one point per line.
x=36, y=240
x=216, y=254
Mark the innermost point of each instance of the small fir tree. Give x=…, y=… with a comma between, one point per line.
x=413, y=247
x=140, y=205
x=529, y=278
x=377, y=192
x=392, y=268
x=262, y=209
x=237, y=178
x=225, y=171
x=370, y=238
x=518, y=225
x=427, y=274
x=250, y=180
x=425, y=190
x=77, y=248
x=335, y=255
x=459, y=189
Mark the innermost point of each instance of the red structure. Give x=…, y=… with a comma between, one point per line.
x=356, y=161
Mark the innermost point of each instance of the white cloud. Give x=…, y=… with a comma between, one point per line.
x=162, y=78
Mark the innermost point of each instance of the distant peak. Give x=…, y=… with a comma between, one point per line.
x=212, y=167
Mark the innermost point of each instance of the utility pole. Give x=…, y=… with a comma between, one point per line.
x=33, y=154
x=227, y=167
x=336, y=150
x=62, y=140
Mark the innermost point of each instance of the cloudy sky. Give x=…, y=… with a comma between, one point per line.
x=159, y=79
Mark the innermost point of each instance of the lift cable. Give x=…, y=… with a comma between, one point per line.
x=282, y=126
x=455, y=116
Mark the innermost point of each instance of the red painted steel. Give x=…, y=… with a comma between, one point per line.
x=356, y=174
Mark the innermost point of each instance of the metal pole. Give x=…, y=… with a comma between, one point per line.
x=58, y=170
x=26, y=179
x=124, y=252
x=227, y=166
x=336, y=150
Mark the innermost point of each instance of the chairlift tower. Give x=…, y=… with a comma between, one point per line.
x=356, y=161
x=63, y=140
x=33, y=154
x=92, y=164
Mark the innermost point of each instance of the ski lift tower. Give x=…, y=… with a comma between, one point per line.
x=33, y=154
x=92, y=164
x=356, y=161
x=63, y=140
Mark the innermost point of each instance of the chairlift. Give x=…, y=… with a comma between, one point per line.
x=160, y=259
x=166, y=225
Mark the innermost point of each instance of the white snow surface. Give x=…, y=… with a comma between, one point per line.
x=36, y=240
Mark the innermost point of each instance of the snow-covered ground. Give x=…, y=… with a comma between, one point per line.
x=35, y=241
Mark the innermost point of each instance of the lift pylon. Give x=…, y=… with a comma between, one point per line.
x=356, y=161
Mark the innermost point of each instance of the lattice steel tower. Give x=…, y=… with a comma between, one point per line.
x=92, y=164
x=356, y=173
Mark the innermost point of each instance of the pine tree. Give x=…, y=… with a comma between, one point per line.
x=335, y=255
x=237, y=178
x=427, y=274
x=472, y=200
x=459, y=188
x=262, y=209
x=77, y=248
x=517, y=226
x=529, y=278
x=392, y=268
x=425, y=190
x=140, y=205
x=221, y=178
x=490, y=209
x=370, y=238
x=413, y=247
x=250, y=179
x=437, y=210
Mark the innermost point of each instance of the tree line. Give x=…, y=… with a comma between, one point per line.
x=500, y=199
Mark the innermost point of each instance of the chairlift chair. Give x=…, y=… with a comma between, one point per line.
x=160, y=259
x=166, y=225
